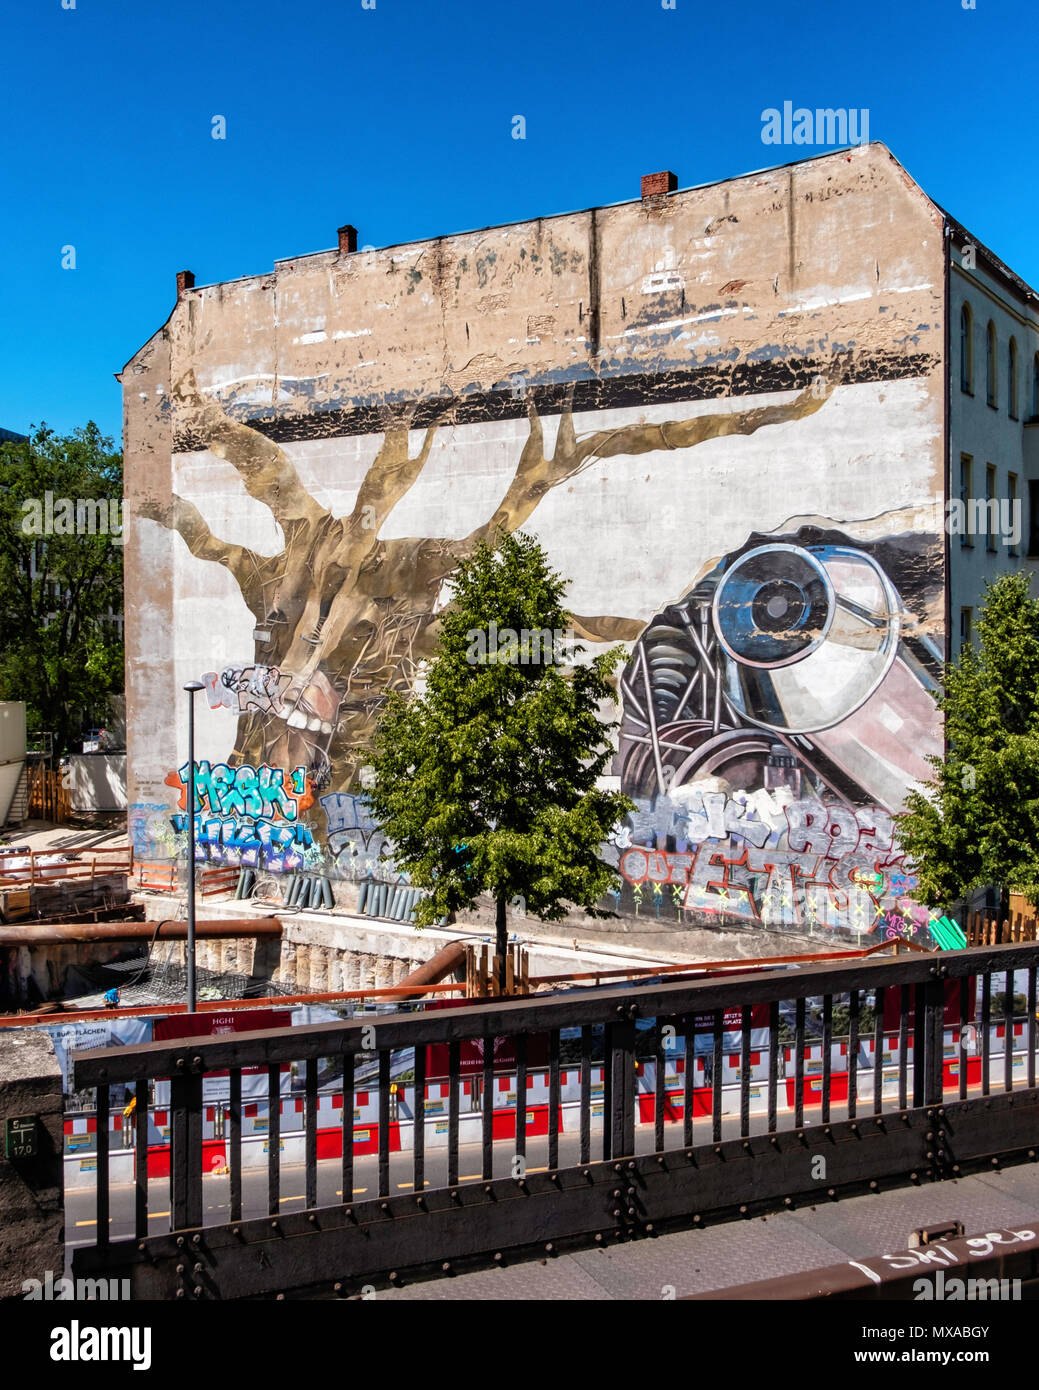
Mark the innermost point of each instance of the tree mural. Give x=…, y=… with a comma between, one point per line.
x=348, y=616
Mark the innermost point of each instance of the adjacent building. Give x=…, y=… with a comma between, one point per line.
x=749, y=421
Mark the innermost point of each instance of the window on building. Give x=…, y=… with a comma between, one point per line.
x=1015, y=508
x=967, y=351
x=991, y=504
x=1035, y=387
x=966, y=626
x=1012, y=379
x=966, y=488
x=991, y=368
x=1033, y=521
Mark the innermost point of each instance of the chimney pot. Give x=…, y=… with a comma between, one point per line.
x=664, y=182
x=185, y=281
x=347, y=240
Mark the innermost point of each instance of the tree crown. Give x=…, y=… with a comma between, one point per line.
x=486, y=779
x=61, y=568
x=977, y=820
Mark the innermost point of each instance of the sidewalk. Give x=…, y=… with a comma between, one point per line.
x=736, y=1252
x=96, y=830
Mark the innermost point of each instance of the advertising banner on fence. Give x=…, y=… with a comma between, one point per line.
x=471, y=1052
x=217, y=1085
x=90, y=1034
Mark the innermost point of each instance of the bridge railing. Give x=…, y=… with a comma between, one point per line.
x=396, y=1213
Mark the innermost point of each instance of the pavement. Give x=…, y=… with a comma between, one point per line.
x=89, y=830
x=738, y=1252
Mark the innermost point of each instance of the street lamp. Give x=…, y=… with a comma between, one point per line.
x=192, y=688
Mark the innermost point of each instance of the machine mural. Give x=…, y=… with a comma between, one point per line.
x=772, y=717
x=772, y=720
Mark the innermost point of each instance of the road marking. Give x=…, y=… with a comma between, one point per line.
x=152, y=1216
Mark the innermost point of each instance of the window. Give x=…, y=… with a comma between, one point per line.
x=1015, y=514
x=966, y=621
x=1035, y=387
x=967, y=351
x=1033, y=521
x=991, y=507
x=966, y=488
x=991, y=369
x=1012, y=379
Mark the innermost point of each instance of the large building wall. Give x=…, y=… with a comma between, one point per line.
x=654, y=390
x=1001, y=434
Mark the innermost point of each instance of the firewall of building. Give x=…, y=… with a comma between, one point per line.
x=732, y=415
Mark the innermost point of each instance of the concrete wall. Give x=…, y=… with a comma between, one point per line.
x=32, y=1216
x=98, y=781
x=654, y=390
x=12, y=760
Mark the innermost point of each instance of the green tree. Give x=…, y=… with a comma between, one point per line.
x=977, y=820
x=59, y=650
x=486, y=780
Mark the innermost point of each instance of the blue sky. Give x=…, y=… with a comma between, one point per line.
x=399, y=120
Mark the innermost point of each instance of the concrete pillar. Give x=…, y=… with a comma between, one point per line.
x=286, y=972
x=320, y=970
x=368, y=970
x=302, y=969
x=32, y=1208
x=337, y=974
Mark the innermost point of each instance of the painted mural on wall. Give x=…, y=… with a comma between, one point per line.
x=772, y=715
x=772, y=720
x=346, y=616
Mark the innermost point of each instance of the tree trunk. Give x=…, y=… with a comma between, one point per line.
x=502, y=940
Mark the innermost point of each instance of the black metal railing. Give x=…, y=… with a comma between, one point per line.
x=663, y=1158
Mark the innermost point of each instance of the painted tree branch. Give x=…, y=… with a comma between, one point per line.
x=186, y=519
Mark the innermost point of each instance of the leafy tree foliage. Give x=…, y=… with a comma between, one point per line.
x=58, y=651
x=486, y=780
x=977, y=822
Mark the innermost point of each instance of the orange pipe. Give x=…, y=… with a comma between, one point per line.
x=57, y=934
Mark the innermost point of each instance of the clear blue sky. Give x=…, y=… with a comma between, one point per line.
x=398, y=119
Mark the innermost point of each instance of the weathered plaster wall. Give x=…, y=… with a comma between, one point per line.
x=653, y=389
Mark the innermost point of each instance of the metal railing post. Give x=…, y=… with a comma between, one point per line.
x=619, y=1114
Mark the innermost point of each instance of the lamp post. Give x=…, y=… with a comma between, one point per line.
x=192, y=689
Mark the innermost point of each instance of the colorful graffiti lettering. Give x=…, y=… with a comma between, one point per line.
x=245, y=688
x=245, y=815
x=821, y=866
x=145, y=825
x=355, y=836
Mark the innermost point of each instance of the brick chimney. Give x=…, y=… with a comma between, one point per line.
x=185, y=281
x=347, y=240
x=664, y=182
